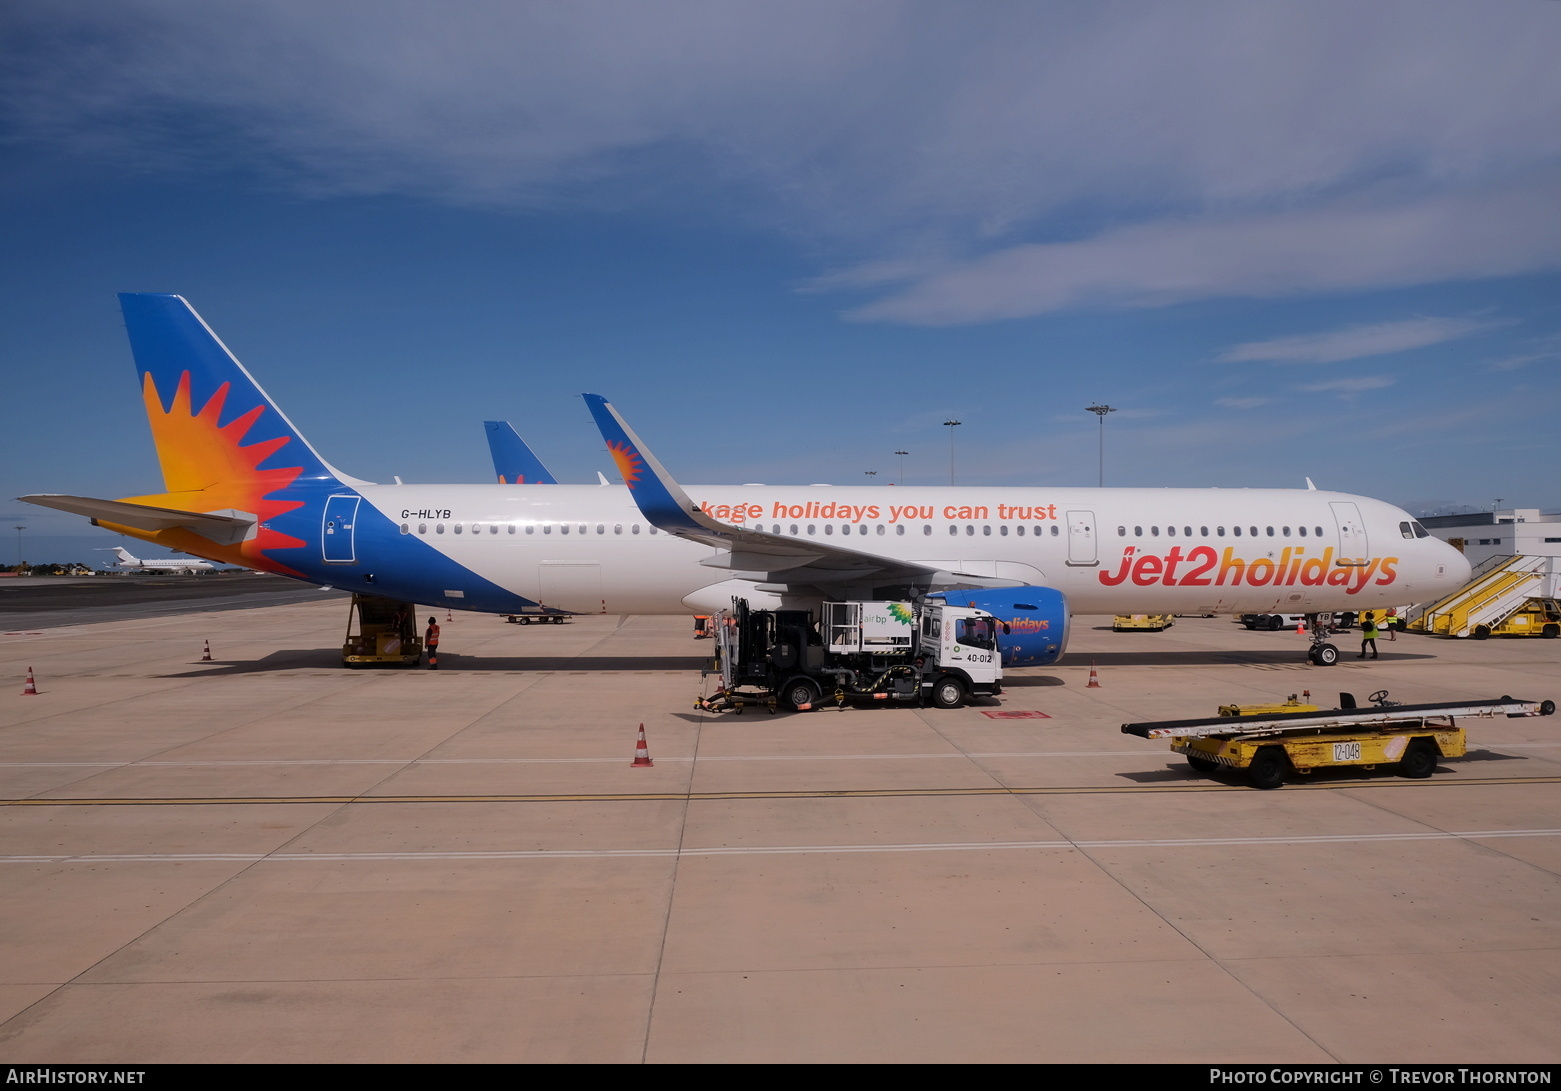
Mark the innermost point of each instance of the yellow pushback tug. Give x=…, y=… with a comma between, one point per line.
x=1269, y=741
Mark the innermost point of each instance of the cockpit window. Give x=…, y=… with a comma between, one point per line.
x=1420, y=531
x=1406, y=530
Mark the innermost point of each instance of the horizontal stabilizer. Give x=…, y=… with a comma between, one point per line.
x=223, y=528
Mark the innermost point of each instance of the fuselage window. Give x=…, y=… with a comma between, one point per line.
x=829, y=528
x=1055, y=530
x=1236, y=531
x=601, y=528
x=493, y=529
x=512, y=528
x=970, y=530
x=1319, y=531
x=1138, y=532
x=811, y=528
x=986, y=529
x=1121, y=532
x=794, y=528
x=926, y=528
x=547, y=528
x=653, y=530
x=438, y=528
x=900, y=530
x=405, y=529
x=635, y=529
x=531, y=528
x=1286, y=530
x=617, y=528
x=1170, y=532
x=457, y=528
x=1187, y=532
x=1270, y=532
x=953, y=529
x=563, y=528
x=1220, y=531
x=422, y=528
x=880, y=528
x=1253, y=530
x=1154, y=532
x=1205, y=531
x=1302, y=530
x=1004, y=530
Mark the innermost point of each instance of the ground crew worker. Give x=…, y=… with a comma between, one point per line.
x=1368, y=634
x=431, y=642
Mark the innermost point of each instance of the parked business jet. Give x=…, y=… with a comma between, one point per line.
x=131, y=563
x=242, y=486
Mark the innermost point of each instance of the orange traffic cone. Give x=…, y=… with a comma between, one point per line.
x=642, y=752
x=206, y=653
x=1094, y=679
x=447, y=615
x=31, y=688
x=1300, y=628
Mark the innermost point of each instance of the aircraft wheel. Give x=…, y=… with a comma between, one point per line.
x=948, y=692
x=799, y=692
x=1325, y=655
x=1419, y=760
x=1268, y=768
x=1202, y=765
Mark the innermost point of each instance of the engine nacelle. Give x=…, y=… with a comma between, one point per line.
x=1037, y=620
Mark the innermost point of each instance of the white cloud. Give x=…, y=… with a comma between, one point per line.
x=1355, y=342
x=1349, y=386
x=1243, y=403
x=1338, y=248
x=1205, y=148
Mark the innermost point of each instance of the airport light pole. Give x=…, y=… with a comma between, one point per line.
x=19, y=547
x=1101, y=411
x=951, y=425
x=902, y=455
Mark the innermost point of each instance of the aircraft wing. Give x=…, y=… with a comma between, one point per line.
x=745, y=552
x=221, y=527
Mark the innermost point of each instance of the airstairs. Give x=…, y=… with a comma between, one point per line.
x=1500, y=586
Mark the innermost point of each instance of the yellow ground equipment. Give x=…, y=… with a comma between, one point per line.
x=1147, y=623
x=1269, y=746
x=1501, y=588
x=386, y=633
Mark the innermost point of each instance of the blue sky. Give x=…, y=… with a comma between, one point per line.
x=788, y=239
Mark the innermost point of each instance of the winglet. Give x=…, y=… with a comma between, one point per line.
x=1310, y=487
x=661, y=499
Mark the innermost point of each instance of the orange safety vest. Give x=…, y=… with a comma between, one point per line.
x=432, y=639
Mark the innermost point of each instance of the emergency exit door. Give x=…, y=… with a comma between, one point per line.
x=336, y=535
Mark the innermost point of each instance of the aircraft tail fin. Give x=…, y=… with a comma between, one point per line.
x=224, y=446
x=513, y=461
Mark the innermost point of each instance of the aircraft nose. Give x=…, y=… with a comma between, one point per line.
x=1457, y=569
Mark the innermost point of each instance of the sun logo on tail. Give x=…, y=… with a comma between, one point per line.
x=207, y=467
x=901, y=613
x=630, y=466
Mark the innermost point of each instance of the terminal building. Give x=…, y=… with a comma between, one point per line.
x=1506, y=532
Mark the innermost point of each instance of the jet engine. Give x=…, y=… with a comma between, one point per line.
x=1036, y=619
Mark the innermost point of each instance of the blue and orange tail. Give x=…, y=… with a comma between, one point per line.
x=513, y=461
x=223, y=444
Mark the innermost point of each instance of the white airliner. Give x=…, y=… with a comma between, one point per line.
x=244, y=487
x=131, y=563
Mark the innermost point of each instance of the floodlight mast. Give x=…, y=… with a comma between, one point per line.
x=1100, y=411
